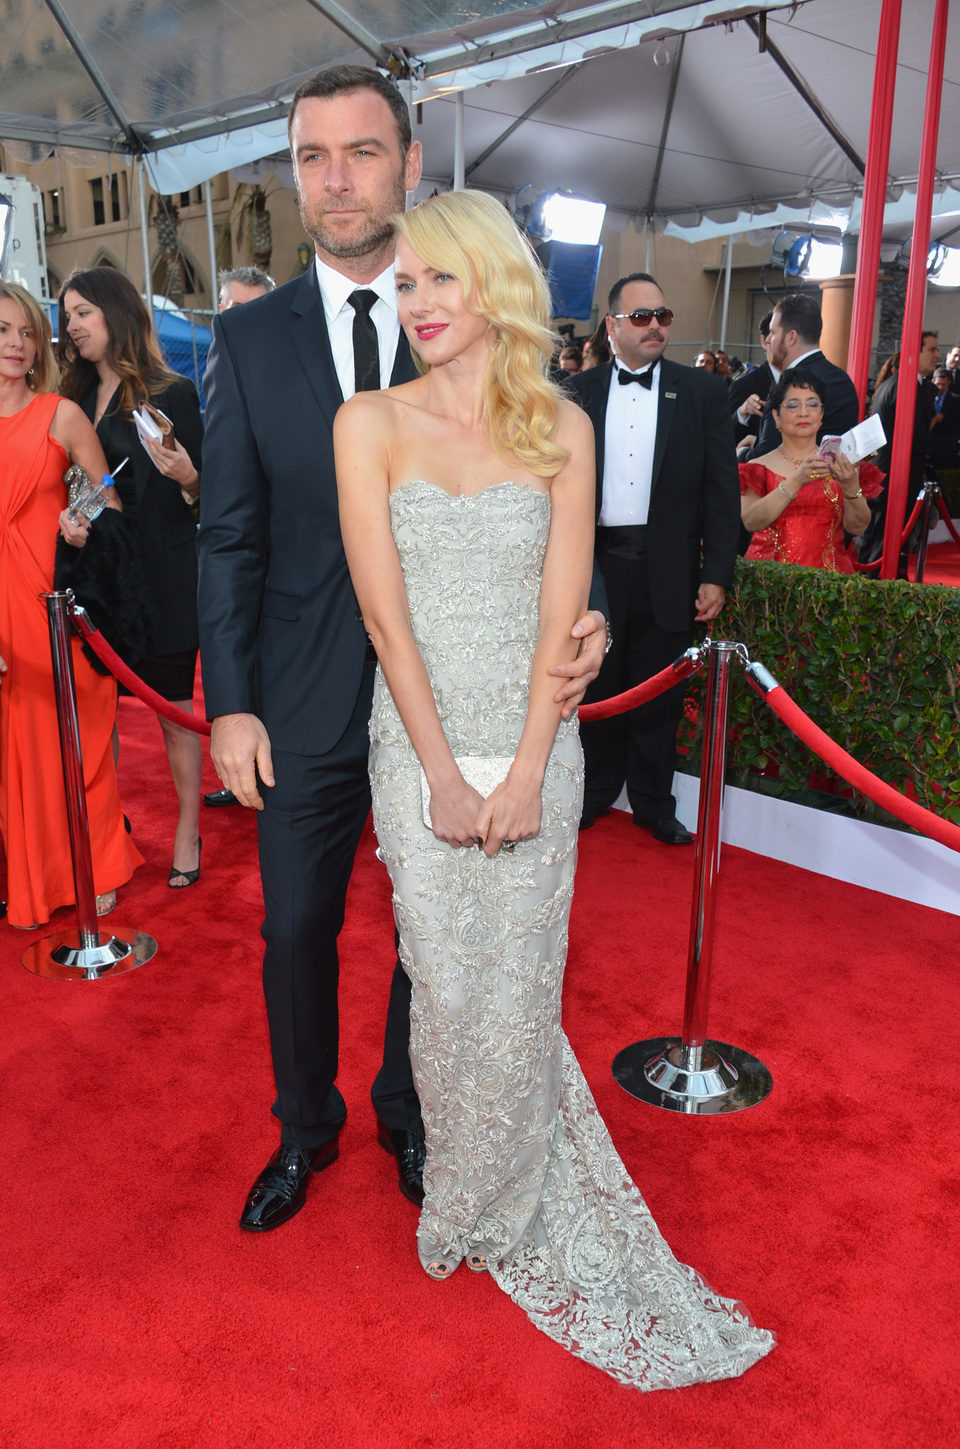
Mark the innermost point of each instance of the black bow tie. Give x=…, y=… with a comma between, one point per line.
x=645, y=379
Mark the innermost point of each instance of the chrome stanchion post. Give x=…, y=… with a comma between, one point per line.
x=691, y=1074
x=84, y=954
x=930, y=492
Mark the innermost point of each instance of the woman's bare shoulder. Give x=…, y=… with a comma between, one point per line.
x=69, y=420
x=574, y=428
x=383, y=408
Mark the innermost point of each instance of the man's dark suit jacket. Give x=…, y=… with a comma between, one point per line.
x=280, y=632
x=695, y=491
x=885, y=407
x=759, y=381
x=841, y=410
x=950, y=412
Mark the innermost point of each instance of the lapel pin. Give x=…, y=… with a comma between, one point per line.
x=670, y=394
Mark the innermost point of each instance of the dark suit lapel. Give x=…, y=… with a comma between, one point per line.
x=666, y=410
x=404, y=368
x=311, y=343
x=593, y=387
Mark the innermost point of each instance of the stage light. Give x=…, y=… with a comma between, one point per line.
x=825, y=259
x=571, y=219
x=943, y=266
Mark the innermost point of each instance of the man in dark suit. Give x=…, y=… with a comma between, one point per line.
x=953, y=367
x=748, y=393
x=667, y=492
x=795, y=329
x=944, y=423
x=287, y=669
x=885, y=407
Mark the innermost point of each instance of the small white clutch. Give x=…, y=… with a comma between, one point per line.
x=484, y=774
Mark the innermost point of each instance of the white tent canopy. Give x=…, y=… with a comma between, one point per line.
x=705, y=117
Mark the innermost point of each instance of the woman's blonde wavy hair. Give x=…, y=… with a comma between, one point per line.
x=44, y=375
x=472, y=236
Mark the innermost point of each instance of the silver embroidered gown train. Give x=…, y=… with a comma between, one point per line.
x=519, y=1164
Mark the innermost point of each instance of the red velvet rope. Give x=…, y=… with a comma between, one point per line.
x=858, y=775
x=641, y=693
x=945, y=515
x=907, y=530
x=125, y=674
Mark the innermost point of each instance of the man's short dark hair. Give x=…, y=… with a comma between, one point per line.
x=800, y=313
x=613, y=301
x=763, y=326
x=925, y=335
x=335, y=80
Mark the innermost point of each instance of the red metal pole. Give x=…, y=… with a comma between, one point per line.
x=874, y=199
x=897, y=483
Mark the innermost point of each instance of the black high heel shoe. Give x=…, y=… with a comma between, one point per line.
x=178, y=880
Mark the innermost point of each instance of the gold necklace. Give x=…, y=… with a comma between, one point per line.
x=797, y=462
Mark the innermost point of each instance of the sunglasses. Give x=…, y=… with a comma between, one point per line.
x=643, y=315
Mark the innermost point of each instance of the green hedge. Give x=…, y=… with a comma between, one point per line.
x=875, y=664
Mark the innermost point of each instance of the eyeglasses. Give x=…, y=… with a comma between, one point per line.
x=643, y=315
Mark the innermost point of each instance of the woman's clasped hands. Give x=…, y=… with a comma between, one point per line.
x=511, y=813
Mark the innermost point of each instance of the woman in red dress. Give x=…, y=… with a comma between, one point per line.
x=796, y=503
x=41, y=434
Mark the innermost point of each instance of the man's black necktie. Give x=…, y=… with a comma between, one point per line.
x=645, y=379
x=366, y=350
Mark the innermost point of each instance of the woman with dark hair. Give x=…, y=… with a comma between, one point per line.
x=596, y=349
x=466, y=503
x=890, y=366
x=797, y=502
x=112, y=365
x=41, y=435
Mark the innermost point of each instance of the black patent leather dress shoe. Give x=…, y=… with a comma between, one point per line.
x=220, y=797
x=410, y=1151
x=281, y=1188
x=669, y=831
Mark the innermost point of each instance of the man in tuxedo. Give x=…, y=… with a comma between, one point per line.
x=794, y=339
x=667, y=491
x=287, y=667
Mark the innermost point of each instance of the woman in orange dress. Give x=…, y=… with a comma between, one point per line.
x=797, y=503
x=40, y=435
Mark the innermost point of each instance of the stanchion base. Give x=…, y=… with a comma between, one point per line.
x=728, y=1079
x=64, y=957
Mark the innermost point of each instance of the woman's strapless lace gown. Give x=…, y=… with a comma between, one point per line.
x=519, y=1163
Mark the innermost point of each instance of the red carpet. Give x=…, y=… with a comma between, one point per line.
x=943, y=564
x=137, y=1315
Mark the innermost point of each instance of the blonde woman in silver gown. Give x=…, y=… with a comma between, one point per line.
x=467, y=502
